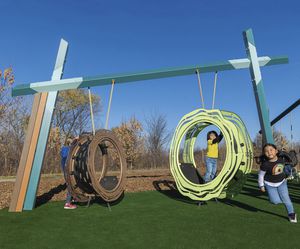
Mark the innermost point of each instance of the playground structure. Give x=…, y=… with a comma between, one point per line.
x=284, y=113
x=239, y=155
x=81, y=174
x=227, y=184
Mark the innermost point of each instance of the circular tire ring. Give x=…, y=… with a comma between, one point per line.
x=236, y=184
x=73, y=178
x=235, y=156
x=101, y=137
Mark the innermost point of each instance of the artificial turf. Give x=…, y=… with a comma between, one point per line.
x=156, y=219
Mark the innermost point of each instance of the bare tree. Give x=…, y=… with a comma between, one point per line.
x=156, y=138
x=6, y=81
x=280, y=141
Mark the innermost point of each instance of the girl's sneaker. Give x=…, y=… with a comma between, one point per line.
x=70, y=206
x=293, y=218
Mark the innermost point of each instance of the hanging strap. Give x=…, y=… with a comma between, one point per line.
x=109, y=103
x=200, y=88
x=215, y=87
x=291, y=127
x=91, y=109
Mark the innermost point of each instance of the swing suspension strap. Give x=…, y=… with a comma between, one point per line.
x=215, y=87
x=291, y=131
x=91, y=109
x=200, y=88
x=109, y=103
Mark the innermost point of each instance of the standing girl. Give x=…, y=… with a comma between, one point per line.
x=213, y=141
x=271, y=177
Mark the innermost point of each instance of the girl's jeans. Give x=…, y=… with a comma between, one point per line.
x=63, y=166
x=280, y=194
x=211, y=169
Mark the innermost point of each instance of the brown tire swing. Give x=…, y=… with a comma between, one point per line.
x=96, y=165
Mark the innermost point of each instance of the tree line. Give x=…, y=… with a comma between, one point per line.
x=145, y=144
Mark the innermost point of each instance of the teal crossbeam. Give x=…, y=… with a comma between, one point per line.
x=83, y=82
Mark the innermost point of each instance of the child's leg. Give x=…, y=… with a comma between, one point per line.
x=214, y=168
x=273, y=194
x=69, y=197
x=284, y=196
x=63, y=165
x=208, y=169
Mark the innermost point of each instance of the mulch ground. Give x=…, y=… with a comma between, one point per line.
x=52, y=188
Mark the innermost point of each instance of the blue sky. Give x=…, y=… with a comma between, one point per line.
x=130, y=36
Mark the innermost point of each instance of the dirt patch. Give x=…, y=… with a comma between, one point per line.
x=52, y=188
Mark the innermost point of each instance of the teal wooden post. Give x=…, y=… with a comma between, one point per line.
x=258, y=87
x=45, y=128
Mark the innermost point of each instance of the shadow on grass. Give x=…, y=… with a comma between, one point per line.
x=46, y=197
x=101, y=202
x=169, y=189
x=235, y=203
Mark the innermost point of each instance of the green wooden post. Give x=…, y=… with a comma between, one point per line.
x=258, y=87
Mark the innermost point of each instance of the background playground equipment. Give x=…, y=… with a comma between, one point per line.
x=239, y=155
x=96, y=166
x=39, y=124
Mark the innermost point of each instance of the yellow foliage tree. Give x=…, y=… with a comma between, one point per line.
x=14, y=117
x=72, y=112
x=7, y=79
x=130, y=135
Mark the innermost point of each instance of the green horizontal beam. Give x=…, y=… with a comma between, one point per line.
x=83, y=82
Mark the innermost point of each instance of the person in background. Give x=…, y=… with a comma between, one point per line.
x=64, y=152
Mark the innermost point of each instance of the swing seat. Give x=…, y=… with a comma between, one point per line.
x=109, y=182
x=191, y=173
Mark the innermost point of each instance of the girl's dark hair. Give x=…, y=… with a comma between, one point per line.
x=269, y=144
x=211, y=132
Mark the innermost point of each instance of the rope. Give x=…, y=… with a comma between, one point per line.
x=200, y=88
x=215, y=86
x=109, y=103
x=92, y=113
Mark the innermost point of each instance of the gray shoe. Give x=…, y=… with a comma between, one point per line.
x=293, y=218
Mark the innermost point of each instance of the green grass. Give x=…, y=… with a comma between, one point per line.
x=156, y=220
